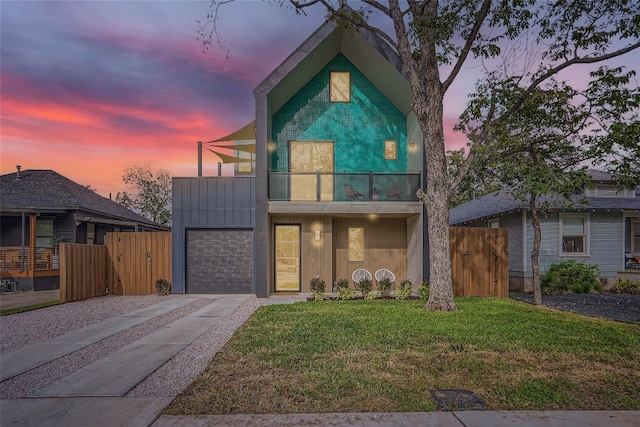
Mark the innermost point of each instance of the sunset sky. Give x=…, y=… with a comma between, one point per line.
x=91, y=87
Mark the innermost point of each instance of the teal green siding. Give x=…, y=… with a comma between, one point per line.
x=358, y=128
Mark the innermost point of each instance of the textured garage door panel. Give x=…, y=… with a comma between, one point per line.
x=219, y=262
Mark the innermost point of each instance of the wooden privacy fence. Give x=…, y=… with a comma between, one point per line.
x=83, y=271
x=479, y=261
x=129, y=264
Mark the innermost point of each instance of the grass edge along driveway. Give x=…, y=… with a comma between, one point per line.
x=386, y=356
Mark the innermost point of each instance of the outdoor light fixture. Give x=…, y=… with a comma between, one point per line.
x=316, y=236
x=412, y=145
x=271, y=145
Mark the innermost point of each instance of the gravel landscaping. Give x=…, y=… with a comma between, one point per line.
x=619, y=307
x=19, y=330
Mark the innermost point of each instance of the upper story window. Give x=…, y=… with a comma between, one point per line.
x=340, y=86
x=574, y=234
x=603, y=190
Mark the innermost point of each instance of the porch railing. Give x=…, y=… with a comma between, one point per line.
x=28, y=258
x=344, y=186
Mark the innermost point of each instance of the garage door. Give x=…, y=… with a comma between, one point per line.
x=219, y=262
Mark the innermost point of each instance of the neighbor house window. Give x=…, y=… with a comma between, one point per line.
x=574, y=234
x=356, y=243
x=44, y=232
x=340, y=86
x=635, y=236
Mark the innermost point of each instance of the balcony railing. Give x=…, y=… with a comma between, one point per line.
x=28, y=259
x=344, y=187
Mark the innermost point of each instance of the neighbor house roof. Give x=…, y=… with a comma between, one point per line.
x=34, y=191
x=501, y=202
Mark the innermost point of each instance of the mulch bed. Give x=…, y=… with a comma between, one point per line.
x=619, y=307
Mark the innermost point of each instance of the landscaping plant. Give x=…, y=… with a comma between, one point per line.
x=423, y=291
x=163, y=287
x=317, y=286
x=570, y=276
x=384, y=286
x=365, y=286
x=626, y=286
x=345, y=292
x=404, y=290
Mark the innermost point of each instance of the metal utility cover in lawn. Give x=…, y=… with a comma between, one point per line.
x=457, y=400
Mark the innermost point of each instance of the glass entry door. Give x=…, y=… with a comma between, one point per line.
x=287, y=258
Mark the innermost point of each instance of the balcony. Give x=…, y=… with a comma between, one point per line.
x=344, y=187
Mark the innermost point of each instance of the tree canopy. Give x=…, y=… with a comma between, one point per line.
x=150, y=194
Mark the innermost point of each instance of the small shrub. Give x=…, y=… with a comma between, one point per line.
x=365, y=286
x=404, y=290
x=626, y=286
x=423, y=291
x=340, y=283
x=345, y=292
x=570, y=276
x=317, y=286
x=384, y=286
x=163, y=287
x=371, y=295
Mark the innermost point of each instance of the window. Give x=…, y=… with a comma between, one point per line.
x=44, y=232
x=340, y=86
x=574, y=234
x=635, y=233
x=356, y=243
x=494, y=223
x=389, y=150
x=603, y=190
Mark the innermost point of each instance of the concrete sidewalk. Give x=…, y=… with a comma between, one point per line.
x=413, y=419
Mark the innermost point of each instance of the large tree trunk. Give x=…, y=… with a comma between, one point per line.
x=535, y=252
x=424, y=77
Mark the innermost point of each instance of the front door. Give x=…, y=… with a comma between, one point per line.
x=287, y=258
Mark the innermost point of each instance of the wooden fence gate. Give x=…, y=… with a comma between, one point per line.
x=129, y=264
x=479, y=261
x=136, y=261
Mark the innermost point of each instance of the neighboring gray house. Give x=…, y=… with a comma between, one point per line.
x=38, y=207
x=600, y=232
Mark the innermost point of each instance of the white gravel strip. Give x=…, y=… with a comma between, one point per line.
x=175, y=375
x=19, y=330
x=27, y=383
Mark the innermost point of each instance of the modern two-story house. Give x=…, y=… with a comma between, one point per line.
x=338, y=160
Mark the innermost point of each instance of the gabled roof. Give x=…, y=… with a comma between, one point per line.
x=366, y=50
x=501, y=202
x=48, y=191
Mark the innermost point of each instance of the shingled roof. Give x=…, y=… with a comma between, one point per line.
x=501, y=202
x=48, y=191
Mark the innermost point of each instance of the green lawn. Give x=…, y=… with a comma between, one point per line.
x=15, y=310
x=384, y=356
